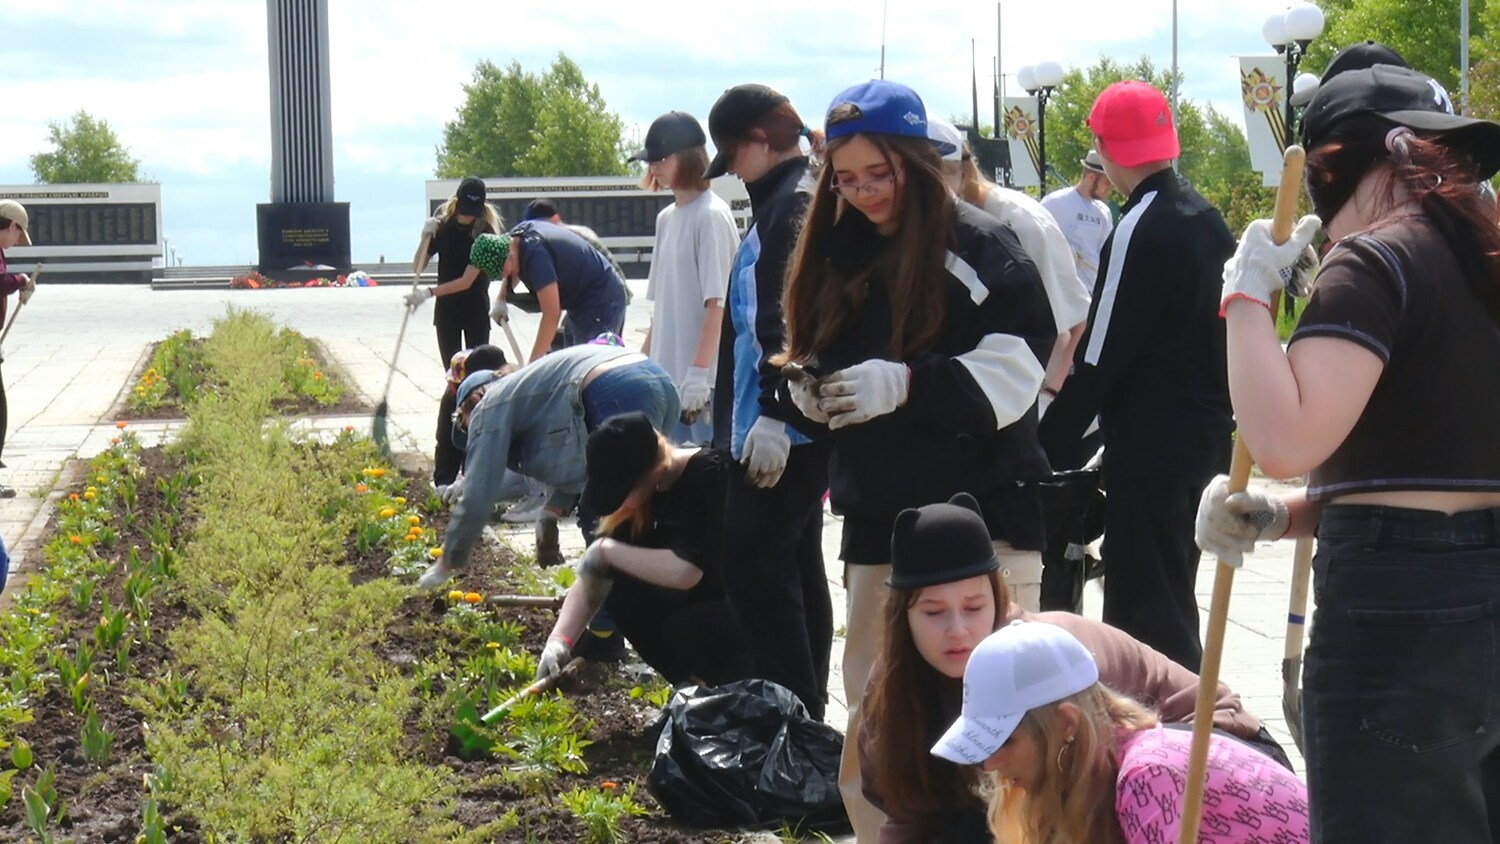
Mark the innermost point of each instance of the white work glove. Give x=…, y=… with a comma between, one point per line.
x=863, y=391
x=766, y=450
x=555, y=654
x=804, y=392
x=1259, y=267
x=430, y=227
x=1228, y=526
x=693, y=392
x=451, y=493
x=28, y=287
x=500, y=312
x=418, y=296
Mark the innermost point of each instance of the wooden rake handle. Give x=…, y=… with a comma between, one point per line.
x=1218, y=611
x=540, y=686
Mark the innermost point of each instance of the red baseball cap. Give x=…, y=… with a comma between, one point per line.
x=1134, y=124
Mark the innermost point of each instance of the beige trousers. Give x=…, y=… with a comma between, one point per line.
x=864, y=601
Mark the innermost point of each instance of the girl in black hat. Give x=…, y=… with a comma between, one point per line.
x=655, y=566
x=462, y=316
x=947, y=593
x=1386, y=399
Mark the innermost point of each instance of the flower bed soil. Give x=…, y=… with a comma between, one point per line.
x=103, y=803
x=350, y=404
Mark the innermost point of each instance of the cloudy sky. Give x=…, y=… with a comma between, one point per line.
x=184, y=82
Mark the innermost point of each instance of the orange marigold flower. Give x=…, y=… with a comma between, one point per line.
x=75, y=539
x=361, y=488
x=473, y=598
x=121, y=424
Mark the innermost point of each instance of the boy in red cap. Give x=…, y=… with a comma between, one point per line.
x=1151, y=366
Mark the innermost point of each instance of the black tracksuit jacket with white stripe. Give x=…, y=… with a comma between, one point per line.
x=969, y=422
x=1151, y=364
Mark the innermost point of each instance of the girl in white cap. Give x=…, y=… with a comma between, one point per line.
x=925, y=332
x=1074, y=761
x=948, y=592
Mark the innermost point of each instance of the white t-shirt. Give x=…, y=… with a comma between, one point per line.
x=1086, y=223
x=1048, y=249
x=695, y=245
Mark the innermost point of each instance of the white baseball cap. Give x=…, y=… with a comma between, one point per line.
x=946, y=137
x=1016, y=669
x=15, y=212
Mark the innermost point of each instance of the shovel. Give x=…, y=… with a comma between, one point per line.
x=378, y=425
x=1291, y=662
x=1218, y=612
x=545, y=602
x=536, y=688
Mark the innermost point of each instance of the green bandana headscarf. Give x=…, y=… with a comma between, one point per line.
x=489, y=253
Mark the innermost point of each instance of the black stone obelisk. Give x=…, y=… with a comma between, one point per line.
x=301, y=231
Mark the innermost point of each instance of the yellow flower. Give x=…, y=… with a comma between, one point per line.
x=90, y=495
x=473, y=598
x=435, y=553
x=399, y=500
x=494, y=646
x=387, y=513
x=34, y=611
x=455, y=596
x=414, y=520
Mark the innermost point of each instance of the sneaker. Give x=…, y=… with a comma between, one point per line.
x=7, y=491
x=548, y=551
x=596, y=648
x=436, y=575
x=525, y=512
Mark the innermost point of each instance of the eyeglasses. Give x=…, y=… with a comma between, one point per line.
x=849, y=187
x=464, y=411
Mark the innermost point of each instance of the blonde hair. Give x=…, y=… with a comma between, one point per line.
x=1073, y=801
x=973, y=185
x=489, y=222
x=632, y=521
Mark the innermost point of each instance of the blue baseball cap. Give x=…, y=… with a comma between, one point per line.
x=884, y=108
x=473, y=381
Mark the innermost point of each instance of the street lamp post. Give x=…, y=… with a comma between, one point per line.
x=1040, y=80
x=1290, y=33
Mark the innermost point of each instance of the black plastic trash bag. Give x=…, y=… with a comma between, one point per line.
x=746, y=754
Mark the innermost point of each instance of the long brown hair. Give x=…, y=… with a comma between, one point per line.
x=823, y=297
x=1074, y=800
x=1439, y=178
x=902, y=706
x=629, y=522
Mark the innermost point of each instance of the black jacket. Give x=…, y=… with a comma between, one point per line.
x=1151, y=364
x=969, y=422
x=778, y=202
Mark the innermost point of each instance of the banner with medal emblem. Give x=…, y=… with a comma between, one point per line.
x=1263, y=91
x=1021, y=133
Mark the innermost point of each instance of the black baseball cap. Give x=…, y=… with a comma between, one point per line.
x=940, y=543
x=620, y=452
x=672, y=132
x=1406, y=98
x=735, y=113
x=540, y=209
x=470, y=196
x=1360, y=56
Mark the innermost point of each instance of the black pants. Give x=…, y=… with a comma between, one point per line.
x=682, y=635
x=4, y=416
x=774, y=577
x=463, y=330
x=448, y=458
x=1151, y=561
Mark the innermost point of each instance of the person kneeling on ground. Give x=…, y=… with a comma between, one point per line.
x=655, y=566
x=448, y=458
x=948, y=593
x=536, y=421
x=1073, y=760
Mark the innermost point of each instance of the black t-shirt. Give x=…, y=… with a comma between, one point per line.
x=1430, y=424
x=451, y=245
x=688, y=518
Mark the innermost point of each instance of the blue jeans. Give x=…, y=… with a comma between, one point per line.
x=1401, y=701
x=580, y=327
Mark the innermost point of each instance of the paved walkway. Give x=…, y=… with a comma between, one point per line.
x=74, y=346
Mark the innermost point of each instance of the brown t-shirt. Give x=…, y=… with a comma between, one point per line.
x=1430, y=424
x=1125, y=665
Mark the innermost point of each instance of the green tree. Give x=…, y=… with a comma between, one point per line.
x=84, y=150
x=514, y=123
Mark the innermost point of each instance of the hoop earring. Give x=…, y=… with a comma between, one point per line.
x=1061, y=751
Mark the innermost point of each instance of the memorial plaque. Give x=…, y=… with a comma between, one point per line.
x=298, y=235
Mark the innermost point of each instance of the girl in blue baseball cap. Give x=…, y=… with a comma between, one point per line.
x=920, y=331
